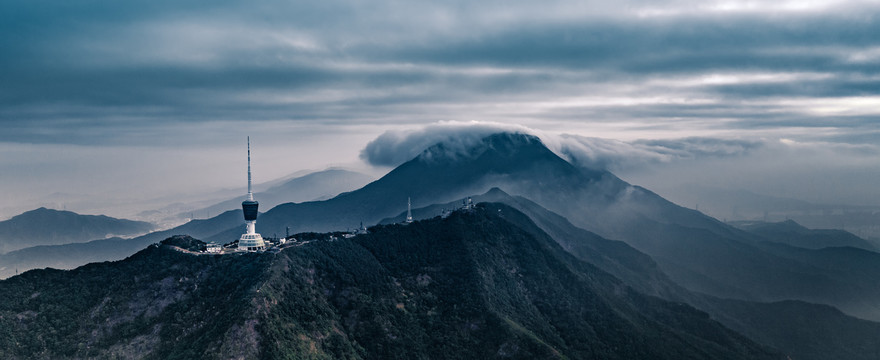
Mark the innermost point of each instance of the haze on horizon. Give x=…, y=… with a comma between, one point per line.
x=121, y=103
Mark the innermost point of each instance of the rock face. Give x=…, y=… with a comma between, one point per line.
x=473, y=285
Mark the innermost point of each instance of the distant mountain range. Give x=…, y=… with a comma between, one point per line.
x=77, y=247
x=320, y=185
x=736, y=205
x=71, y=255
x=54, y=227
x=791, y=233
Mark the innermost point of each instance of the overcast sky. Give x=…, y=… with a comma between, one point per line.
x=137, y=99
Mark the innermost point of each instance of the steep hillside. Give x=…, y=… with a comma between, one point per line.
x=53, y=227
x=159, y=303
x=803, y=331
x=615, y=257
x=473, y=285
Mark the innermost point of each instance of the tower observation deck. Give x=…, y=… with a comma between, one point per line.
x=250, y=240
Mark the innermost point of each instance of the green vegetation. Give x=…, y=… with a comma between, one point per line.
x=473, y=285
x=159, y=303
x=185, y=242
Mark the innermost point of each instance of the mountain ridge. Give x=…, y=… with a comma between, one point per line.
x=471, y=285
x=44, y=226
x=314, y=186
x=791, y=233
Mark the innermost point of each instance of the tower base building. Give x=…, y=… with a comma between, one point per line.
x=251, y=242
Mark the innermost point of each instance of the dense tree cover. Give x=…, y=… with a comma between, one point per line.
x=158, y=303
x=473, y=285
x=185, y=242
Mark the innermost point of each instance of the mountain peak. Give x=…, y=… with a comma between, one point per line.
x=792, y=224
x=470, y=148
x=44, y=226
x=43, y=212
x=42, y=209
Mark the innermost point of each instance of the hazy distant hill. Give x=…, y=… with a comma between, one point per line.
x=731, y=205
x=473, y=285
x=736, y=204
x=803, y=331
x=52, y=227
x=319, y=185
x=791, y=233
x=69, y=256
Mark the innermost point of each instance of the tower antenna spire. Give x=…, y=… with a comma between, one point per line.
x=250, y=195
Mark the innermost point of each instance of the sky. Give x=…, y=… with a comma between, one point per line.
x=118, y=102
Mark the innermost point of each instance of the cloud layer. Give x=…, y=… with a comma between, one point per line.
x=393, y=148
x=705, y=68
x=722, y=80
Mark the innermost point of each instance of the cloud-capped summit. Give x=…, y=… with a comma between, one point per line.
x=395, y=147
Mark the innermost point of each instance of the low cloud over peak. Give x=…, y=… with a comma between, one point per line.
x=612, y=154
x=395, y=147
